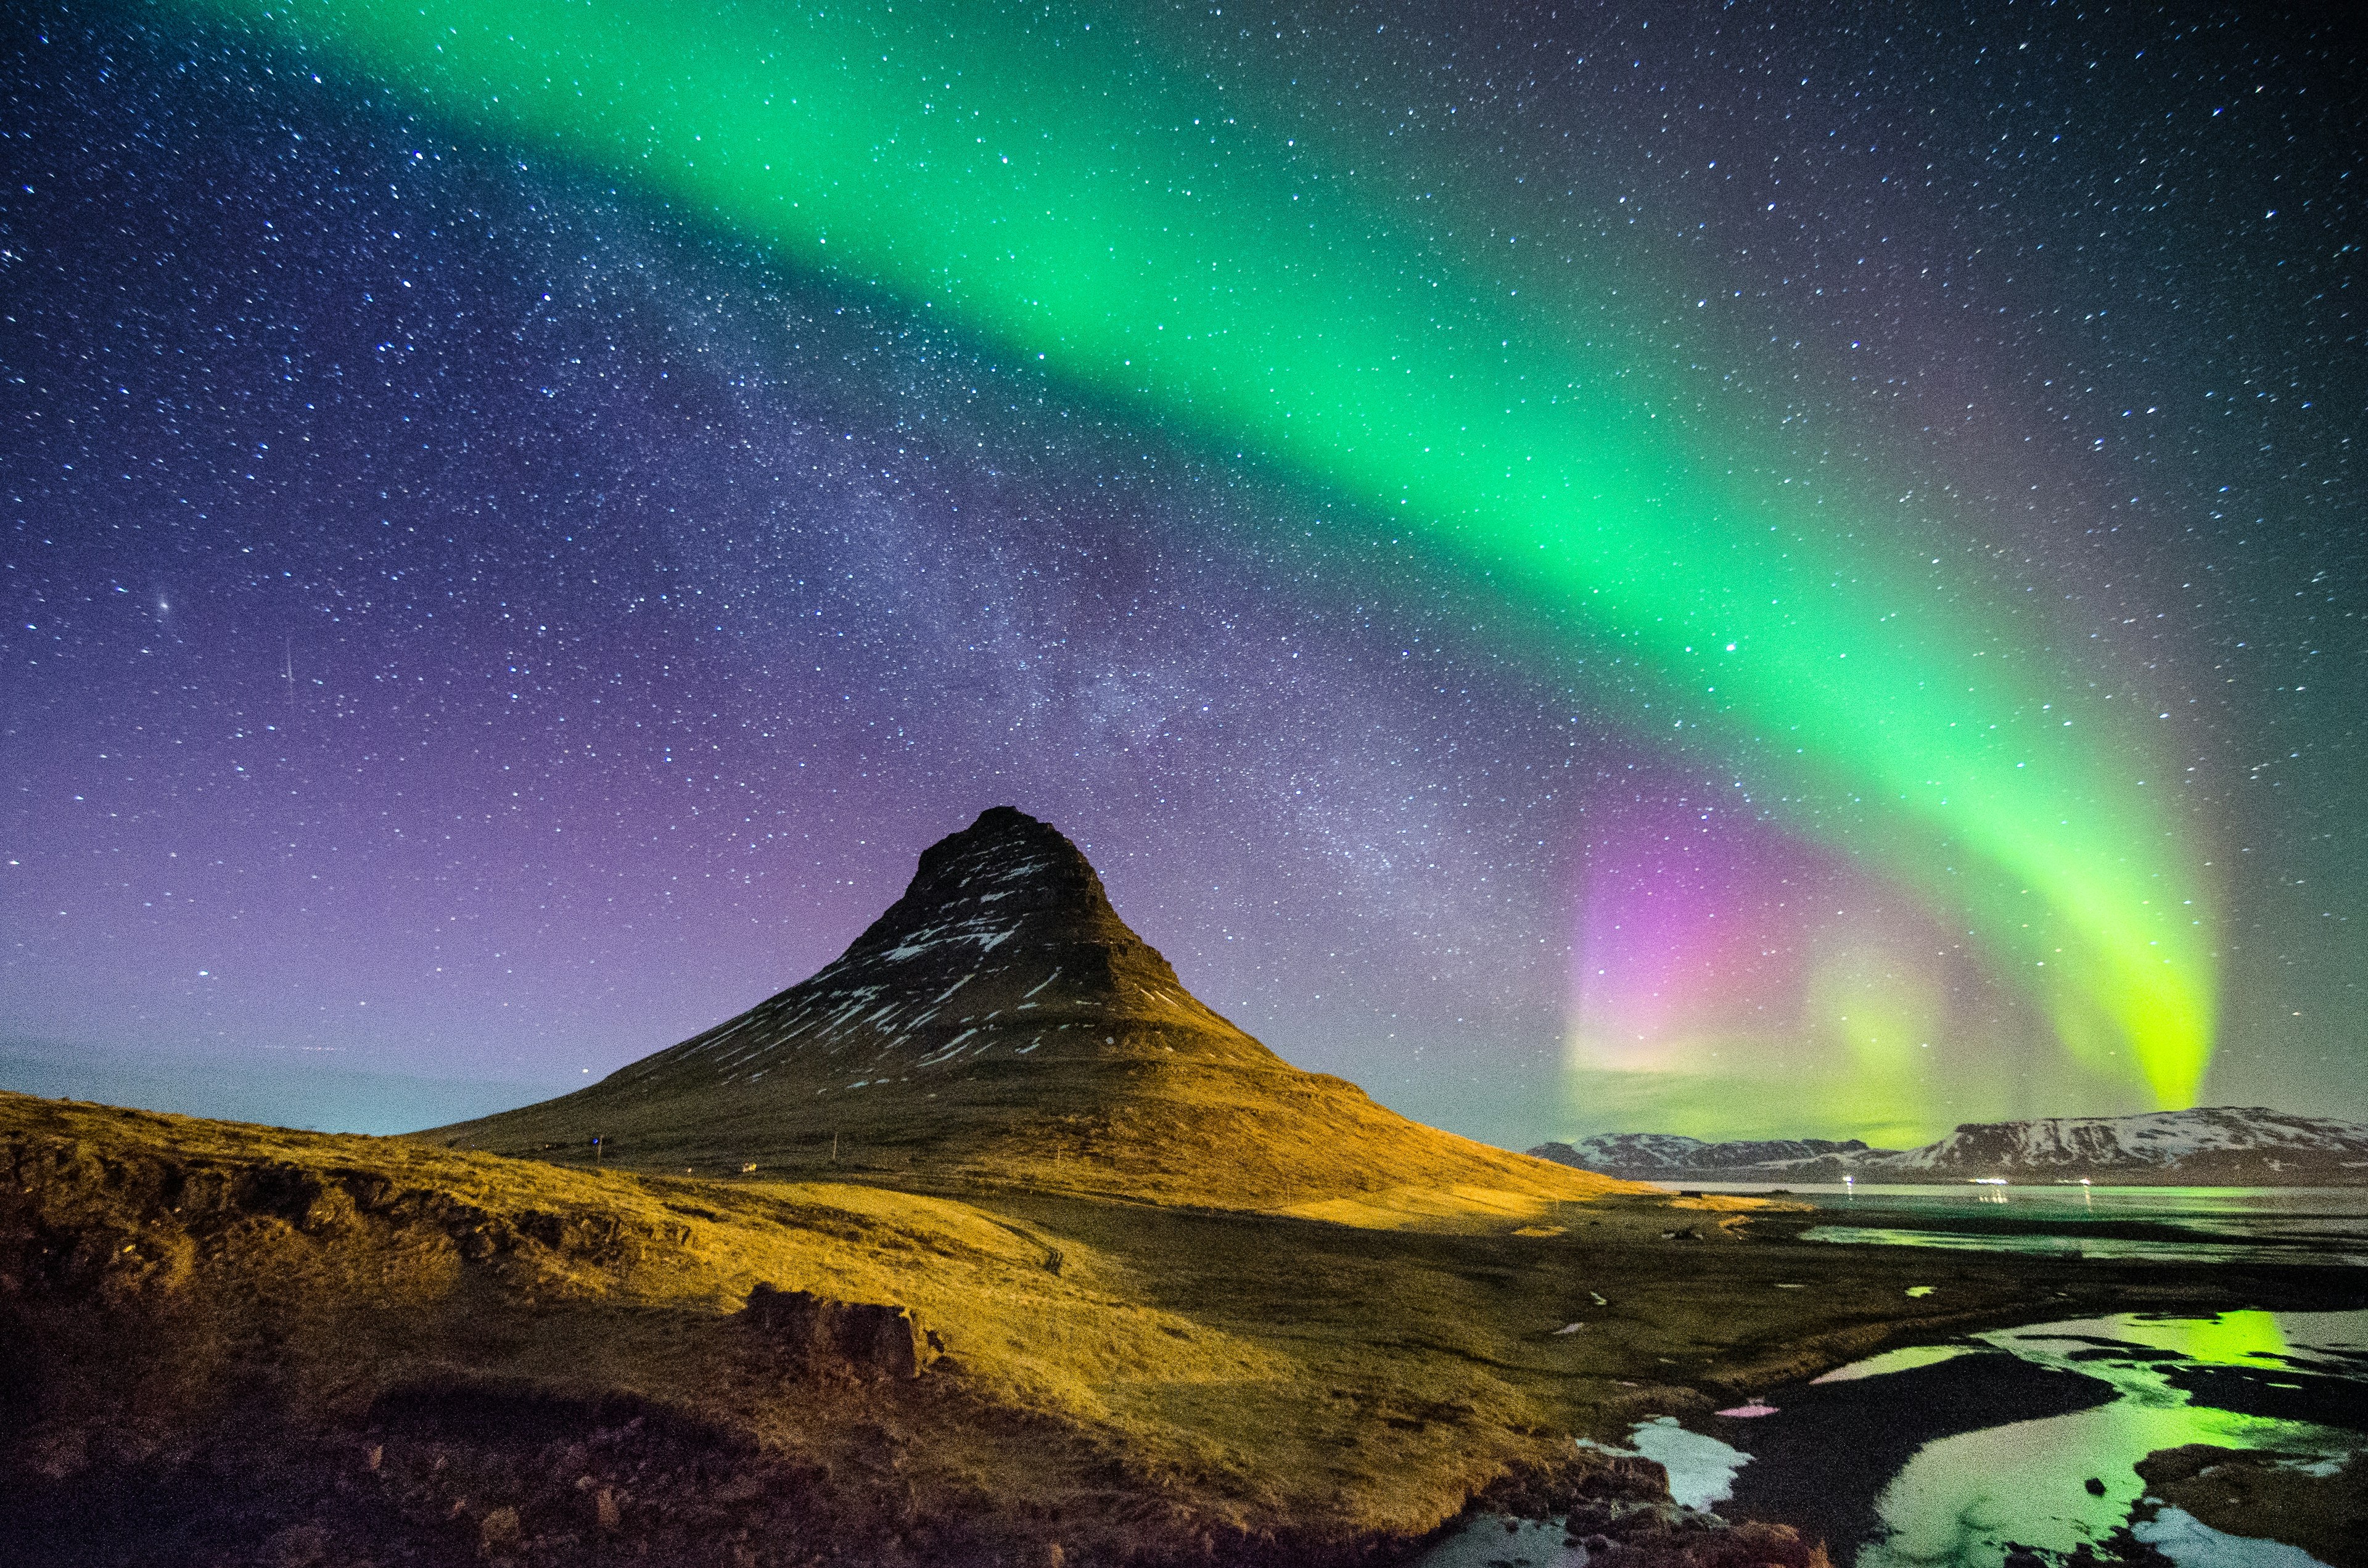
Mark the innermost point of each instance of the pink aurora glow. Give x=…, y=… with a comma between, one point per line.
x=1711, y=939
x=1691, y=923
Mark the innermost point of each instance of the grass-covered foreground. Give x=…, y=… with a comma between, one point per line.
x=222, y=1343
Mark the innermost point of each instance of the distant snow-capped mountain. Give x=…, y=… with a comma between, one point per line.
x=1668, y=1152
x=2215, y=1146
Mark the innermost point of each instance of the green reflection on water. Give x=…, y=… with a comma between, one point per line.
x=2111, y=1249
x=1959, y=1501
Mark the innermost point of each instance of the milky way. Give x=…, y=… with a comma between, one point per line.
x=1733, y=573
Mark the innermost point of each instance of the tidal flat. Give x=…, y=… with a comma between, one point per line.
x=237, y=1344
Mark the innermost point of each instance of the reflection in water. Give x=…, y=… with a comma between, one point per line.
x=1962, y=1498
x=2235, y=1211
x=2057, y=1243
x=1701, y=1470
x=1490, y=1541
x=1958, y=1499
x=2197, y=1224
x=2190, y=1543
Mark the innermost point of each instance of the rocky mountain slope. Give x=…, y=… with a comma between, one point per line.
x=2215, y=1146
x=1000, y=1024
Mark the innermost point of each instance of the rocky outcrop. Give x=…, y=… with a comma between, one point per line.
x=1617, y=1509
x=872, y=1340
x=2320, y=1509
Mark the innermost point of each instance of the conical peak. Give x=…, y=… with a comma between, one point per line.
x=998, y=1020
x=1010, y=858
x=1007, y=879
x=1004, y=950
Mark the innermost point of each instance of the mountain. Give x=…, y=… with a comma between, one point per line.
x=2223, y=1146
x=1681, y=1155
x=1000, y=1024
x=2248, y=1146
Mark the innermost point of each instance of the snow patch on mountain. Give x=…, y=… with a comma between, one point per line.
x=1669, y=1151
x=2210, y=1145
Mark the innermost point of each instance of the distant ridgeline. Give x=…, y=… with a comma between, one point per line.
x=2223, y=1146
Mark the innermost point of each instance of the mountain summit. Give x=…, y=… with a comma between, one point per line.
x=1000, y=1024
x=1004, y=945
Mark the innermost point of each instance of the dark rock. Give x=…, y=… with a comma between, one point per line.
x=873, y=1338
x=2166, y=1466
x=298, y=1546
x=499, y=1527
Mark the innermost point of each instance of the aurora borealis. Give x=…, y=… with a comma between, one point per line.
x=1567, y=571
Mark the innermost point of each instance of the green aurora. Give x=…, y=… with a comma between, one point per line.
x=1038, y=183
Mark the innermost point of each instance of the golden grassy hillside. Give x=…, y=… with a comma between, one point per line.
x=218, y=1333
x=226, y=1343
x=1228, y=1135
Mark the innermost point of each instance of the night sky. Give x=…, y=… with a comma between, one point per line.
x=1773, y=569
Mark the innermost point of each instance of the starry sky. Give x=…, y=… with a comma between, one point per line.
x=1740, y=571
